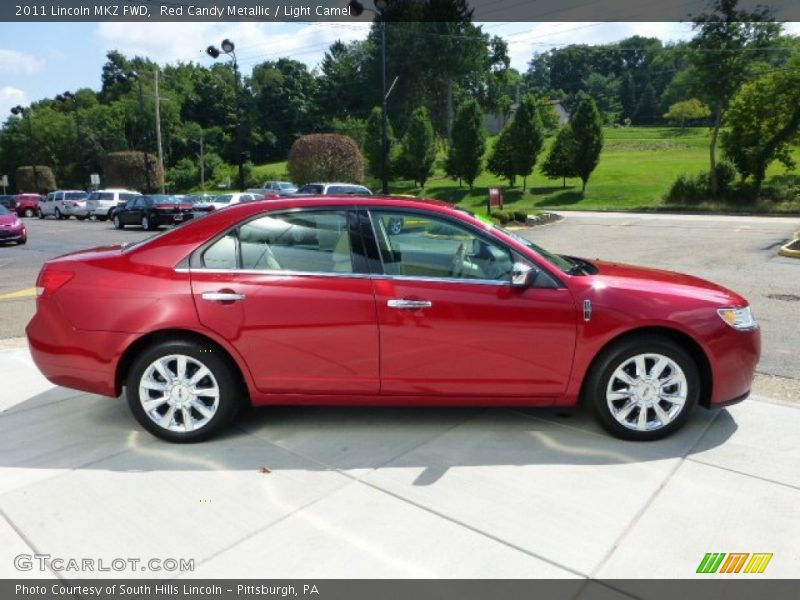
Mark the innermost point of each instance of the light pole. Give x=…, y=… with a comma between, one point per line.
x=143, y=137
x=70, y=97
x=26, y=114
x=229, y=48
x=356, y=8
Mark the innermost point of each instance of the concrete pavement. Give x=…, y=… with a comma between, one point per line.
x=344, y=492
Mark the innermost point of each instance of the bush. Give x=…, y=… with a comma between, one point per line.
x=133, y=171
x=325, y=157
x=45, y=181
x=520, y=216
x=501, y=216
x=693, y=190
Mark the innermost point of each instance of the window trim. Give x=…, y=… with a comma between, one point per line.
x=371, y=238
x=357, y=245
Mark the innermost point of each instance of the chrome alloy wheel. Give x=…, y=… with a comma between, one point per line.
x=179, y=393
x=647, y=392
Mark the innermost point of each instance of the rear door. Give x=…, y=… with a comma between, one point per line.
x=291, y=293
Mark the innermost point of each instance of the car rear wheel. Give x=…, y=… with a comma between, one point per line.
x=117, y=223
x=80, y=217
x=28, y=212
x=41, y=214
x=181, y=391
x=146, y=223
x=643, y=388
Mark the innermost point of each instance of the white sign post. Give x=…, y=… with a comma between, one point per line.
x=5, y=184
x=95, y=179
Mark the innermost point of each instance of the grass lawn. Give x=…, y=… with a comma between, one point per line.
x=636, y=168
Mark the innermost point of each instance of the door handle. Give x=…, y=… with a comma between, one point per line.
x=404, y=304
x=223, y=296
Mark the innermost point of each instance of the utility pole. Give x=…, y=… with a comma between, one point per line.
x=158, y=130
x=202, y=163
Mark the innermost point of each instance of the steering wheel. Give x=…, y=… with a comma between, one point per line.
x=458, y=261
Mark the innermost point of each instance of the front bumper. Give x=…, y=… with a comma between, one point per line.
x=13, y=235
x=734, y=357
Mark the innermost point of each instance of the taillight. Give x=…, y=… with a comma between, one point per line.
x=50, y=280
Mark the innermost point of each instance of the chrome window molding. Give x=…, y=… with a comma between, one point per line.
x=287, y=273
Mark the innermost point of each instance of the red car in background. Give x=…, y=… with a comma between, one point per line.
x=315, y=301
x=12, y=229
x=27, y=205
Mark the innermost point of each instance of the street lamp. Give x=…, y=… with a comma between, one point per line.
x=70, y=97
x=229, y=48
x=130, y=77
x=25, y=113
x=356, y=8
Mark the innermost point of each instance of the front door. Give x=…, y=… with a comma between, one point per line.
x=288, y=291
x=451, y=324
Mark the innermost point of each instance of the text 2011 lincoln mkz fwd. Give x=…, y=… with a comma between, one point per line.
x=319, y=301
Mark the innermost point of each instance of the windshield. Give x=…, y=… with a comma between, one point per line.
x=285, y=186
x=4, y=210
x=226, y=199
x=162, y=199
x=557, y=260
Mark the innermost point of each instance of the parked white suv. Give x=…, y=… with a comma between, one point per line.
x=101, y=204
x=62, y=204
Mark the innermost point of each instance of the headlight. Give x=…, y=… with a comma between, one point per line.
x=738, y=318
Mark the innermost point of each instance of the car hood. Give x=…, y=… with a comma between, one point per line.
x=9, y=220
x=649, y=280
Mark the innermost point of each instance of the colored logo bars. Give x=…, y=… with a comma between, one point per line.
x=736, y=562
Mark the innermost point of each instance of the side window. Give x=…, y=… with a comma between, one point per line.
x=419, y=245
x=126, y=197
x=308, y=241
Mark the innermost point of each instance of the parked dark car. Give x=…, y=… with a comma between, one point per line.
x=9, y=202
x=151, y=212
x=27, y=205
x=201, y=203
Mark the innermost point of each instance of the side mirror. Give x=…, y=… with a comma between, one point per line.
x=521, y=275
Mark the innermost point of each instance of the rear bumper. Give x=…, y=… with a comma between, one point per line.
x=171, y=219
x=74, y=358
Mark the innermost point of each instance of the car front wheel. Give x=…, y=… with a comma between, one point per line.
x=117, y=223
x=643, y=388
x=59, y=216
x=181, y=391
x=29, y=212
x=146, y=223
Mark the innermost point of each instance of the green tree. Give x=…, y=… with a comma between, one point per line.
x=465, y=156
x=729, y=47
x=501, y=158
x=762, y=121
x=419, y=147
x=647, y=108
x=559, y=161
x=684, y=110
x=587, y=129
x=527, y=137
x=605, y=91
x=373, y=144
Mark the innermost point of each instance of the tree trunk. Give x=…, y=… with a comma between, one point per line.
x=524, y=182
x=565, y=182
x=449, y=116
x=583, y=189
x=713, y=152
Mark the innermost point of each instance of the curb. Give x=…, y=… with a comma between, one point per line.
x=543, y=219
x=788, y=251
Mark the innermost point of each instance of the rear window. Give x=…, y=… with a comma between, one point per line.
x=76, y=196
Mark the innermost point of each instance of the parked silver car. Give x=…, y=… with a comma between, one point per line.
x=63, y=204
x=101, y=204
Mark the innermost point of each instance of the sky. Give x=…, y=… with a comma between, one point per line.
x=40, y=60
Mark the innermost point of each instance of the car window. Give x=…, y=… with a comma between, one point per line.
x=76, y=196
x=311, y=189
x=308, y=242
x=126, y=197
x=105, y=196
x=420, y=245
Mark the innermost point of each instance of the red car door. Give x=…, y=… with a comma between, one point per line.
x=452, y=324
x=289, y=293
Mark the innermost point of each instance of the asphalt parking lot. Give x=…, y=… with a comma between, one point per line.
x=345, y=492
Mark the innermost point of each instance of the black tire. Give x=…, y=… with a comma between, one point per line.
x=117, y=223
x=229, y=389
x=80, y=217
x=22, y=242
x=600, y=375
x=146, y=225
x=58, y=215
x=41, y=214
x=28, y=212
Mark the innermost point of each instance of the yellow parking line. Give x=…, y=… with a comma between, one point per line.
x=26, y=293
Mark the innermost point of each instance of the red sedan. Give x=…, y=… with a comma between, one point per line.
x=314, y=301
